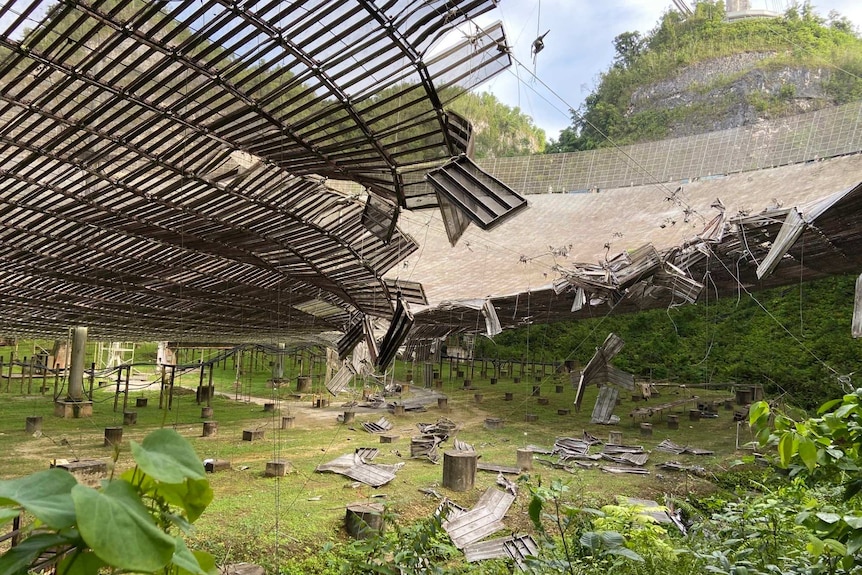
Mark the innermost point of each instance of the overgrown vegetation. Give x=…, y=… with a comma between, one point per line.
x=800, y=39
x=799, y=349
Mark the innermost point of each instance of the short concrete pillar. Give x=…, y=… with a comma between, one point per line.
x=615, y=438
x=206, y=412
x=543, y=401
x=443, y=403
x=33, y=424
x=493, y=423
x=559, y=388
x=210, y=428
x=673, y=422
x=287, y=421
x=348, y=416
x=646, y=429
x=388, y=438
x=516, y=379
x=468, y=383
x=113, y=436
x=525, y=459
x=303, y=384
x=459, y=470
x=509, y=396
x=364, y=520
x=140, y=402
x=252, y=434
x=493, y=381
x=216, y=465
x=563, y=411
x=477, y=397
x=269, y=407
x=398, y=410
x=694, y=415
x=531, y=417
x=438, y=384
x=277, y=468
x=130, y=417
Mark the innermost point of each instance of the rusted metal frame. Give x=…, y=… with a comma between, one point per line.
x=169, y=167
x=42, y=266
x=263, y=27
x=19, y=18
x=418, y=34
x=416, y=58
x=331, y=86
x=65, y=312
x=109, y=230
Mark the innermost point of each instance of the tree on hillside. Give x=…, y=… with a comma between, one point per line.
x=799, y=39
x=499, y=130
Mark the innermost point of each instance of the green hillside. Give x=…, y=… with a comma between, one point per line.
x=701, y=73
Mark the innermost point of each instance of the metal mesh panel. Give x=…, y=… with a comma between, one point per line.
x=803, y=138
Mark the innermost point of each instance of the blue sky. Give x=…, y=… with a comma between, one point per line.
x=580, y=46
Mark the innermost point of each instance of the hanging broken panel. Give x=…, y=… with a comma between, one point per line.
x=400, y=326
x=605, y=404
x=411, y=292
x=340, y=380
x=351, y=338
x=484, y=199
x=379, y=217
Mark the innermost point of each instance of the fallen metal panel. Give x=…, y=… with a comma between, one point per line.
x=605, y=403
x=482, y=520
x=791, y=230
x=519, y=547
x=630, y=470
x=490, y=549
x=455, y=221
x=472, y=526
x=380, y=426
x=496, y=468
x=340, y=380
x=497, y=501
x=370, y=474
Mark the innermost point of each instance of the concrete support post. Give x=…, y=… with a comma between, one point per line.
x=76, y=369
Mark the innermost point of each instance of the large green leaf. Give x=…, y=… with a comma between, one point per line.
x=166, y=456
x=186, y=560
x=17, y=560
x=119, y=529
x=808, y=453
x=7, y=514
x=80, y=563
x=193, y=496
x=786, y=448
x=45, y=494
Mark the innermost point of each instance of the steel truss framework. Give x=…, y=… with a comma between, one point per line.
x=163, y=165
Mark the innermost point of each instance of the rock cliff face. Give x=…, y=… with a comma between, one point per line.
x=733, y=91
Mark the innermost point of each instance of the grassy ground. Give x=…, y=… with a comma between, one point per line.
x=305, y=509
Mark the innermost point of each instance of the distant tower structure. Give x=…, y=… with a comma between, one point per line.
x=737, y=5
x=742, y=9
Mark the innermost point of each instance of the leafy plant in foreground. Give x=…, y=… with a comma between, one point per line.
x=133, y=523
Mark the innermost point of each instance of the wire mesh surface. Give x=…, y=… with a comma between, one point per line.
x=163, y=165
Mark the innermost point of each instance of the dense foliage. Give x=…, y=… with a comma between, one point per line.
x=499, y=130
x=801, y=38
x=132, y=523
x=794, y=340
